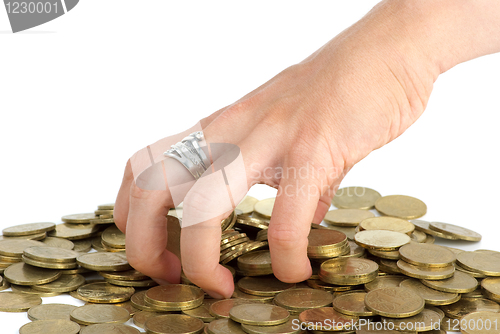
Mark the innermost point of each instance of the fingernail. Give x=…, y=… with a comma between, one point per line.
x=214, y=294
x=160, y=281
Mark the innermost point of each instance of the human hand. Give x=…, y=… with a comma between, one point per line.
x=357, y=93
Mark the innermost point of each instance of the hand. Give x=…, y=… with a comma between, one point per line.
x=357, y=93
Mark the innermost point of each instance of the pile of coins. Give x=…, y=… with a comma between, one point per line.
x=369, y=272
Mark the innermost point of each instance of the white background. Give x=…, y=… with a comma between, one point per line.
x=81, y=94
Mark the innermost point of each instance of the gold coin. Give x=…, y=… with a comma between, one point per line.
x=50, y=311
x=98, y=314
x=387, y=223
x=425, y=273
x=101, y=212
x=480, y=323
x=224, y=326
x=468, y=305
x=107, y=206
x=231, y=244
x=4, y=284
x=127, y=275
x=50, y=254
x=58, y=242
x=238, y=294
x=418, y=236
x=38, y=236
x=263, y=286
x=303, y=299
x=137, y=300
x=320, y=285
x=460, y=282
x=431, y=296
x=259, y=314
x=487, y=263
x=352, y=303
x=102, y=221
x=248, y=247
x=102, y=261
x=174, y=324
x=327, y=319
x=390, y=255
x=29, y=290
x=17, y=302
x=221, y=308
x=255, y=260
x=348, y=231
x=423, y=322
x=265, y=207
x=27, y=229
x=202, y=312
x=78, y=218
x=251, y=224
x=347, y=217
x=389, y=267
x=424, y=226
x=16, y=247
x=381, y=239
x=475, y=274
x=388, y=281
x=113, y=237
x=49, y=265
x=289, y=327
x=65, y=283
x=491, y=287
x=427, y=255
x=109, y=329
x=350, y=271
x=478, y=293
x=103, y=292
x=128, y=306
x=140, y=317
x=232, y=236
x=174, y=297
x=394, y=302
x=355, y=198
x=10, y=259
x=326, y=243
x=247, y=205
x=457, y=232
x=83, y=245
x=24, y=274
x=401, y=206
x=74, y=231
x=138, y=284
x=54, y=326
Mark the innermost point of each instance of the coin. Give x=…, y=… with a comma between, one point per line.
x=25, y=289
x=78, y=218
x=486, y=263
x=418, y=236
x=247, y=205
x=103, y=261
x=245, y=248
x=460, y=282
x=265, y=207
x=50, y=311
x=425, y=273
x=326, y=244
x=174, y=297
x=140, y=317
x=423, y=322
x=401, y=206
x=83, y=245
x=390, y=255
x=55, y=326
x=98, y=314
x=491, y=287
x=202, y=312
x=327, y=319
x=468, y=305
x=49, y=265
x=50, y=254
x=289, y=327
x=355, y=198
x=103, y=292
x=113, y=237
x=137, y=300
x=457, y=232
x=394, y=302
x=138, y=284
x=224, y=326
x=347, y=217
x=109, y=329
x=255, y=260
x=107, y=206
x=352, y=303
x=482, y=322
x=387, y=223
x=17, y=302
x=174, y=324
x=221, y=308
x=38, y=236
x=74, y=231
x=27, y=229
x=24, y=274
x=16, y=247
x=263, y=285
x=424, y=226
x=431, y=296
x=381, y=239
x=349, y=271
x=427, y=255
x=303, y=299
x=259, y=314
x=251, y=224
x=385, y=282
x=238, y=294
x=58, y=242
x=65, y=283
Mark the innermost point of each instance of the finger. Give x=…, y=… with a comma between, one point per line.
x=120, y=211
x=293, y=212
x=325, y=201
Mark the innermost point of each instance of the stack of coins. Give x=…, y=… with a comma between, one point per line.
x=364, y=267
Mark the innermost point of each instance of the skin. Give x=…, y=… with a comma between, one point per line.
x=357, y=93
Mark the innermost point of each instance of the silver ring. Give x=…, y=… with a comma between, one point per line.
x=190, y=154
